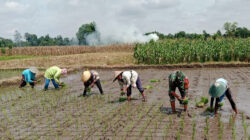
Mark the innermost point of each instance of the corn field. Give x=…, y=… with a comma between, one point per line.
x=187, y=51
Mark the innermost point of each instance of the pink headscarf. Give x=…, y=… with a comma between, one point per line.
x=64, y=71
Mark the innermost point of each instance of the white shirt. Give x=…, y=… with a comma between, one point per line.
x=224, y=81
x=129, y=78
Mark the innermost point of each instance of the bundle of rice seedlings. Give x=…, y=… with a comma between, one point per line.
x=208, y=109
x=122, y=93
x=63, y=85
x=185, y=101
x=202, y=102
x=148, y=87
x=155, y=80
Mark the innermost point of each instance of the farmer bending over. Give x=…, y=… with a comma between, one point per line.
x=89, y=79
x=129, y=79
x=218, y=90
x=179, y=80
x=53, y=73
x=29, y=76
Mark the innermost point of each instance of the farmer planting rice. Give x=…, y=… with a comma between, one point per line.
x=219, y=90
x=53, y=73
x=129, y=79
x=177, y=79
x=89, y=79
x=29, y=76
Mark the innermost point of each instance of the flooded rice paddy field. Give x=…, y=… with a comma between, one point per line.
x=5, y=74
x=61, y=114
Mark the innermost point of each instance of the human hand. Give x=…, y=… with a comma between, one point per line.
x=92, y=85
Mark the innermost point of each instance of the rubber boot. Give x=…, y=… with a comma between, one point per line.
x=144, y=97
x=185, y=107
x=129, y=98
x=173, y=106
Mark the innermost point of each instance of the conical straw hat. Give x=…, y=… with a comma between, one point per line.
x=85, y=76
x=217, y=89
x=116, y=74
x=33, y=69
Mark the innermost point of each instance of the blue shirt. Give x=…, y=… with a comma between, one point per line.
x=28, y=76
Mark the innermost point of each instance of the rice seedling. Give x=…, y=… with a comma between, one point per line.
x=206, y=129
x=203, y=101
x=148, y=87
x=178, y=135
x=245, y=126
x=155, y=80
x=166, y=130
x=170, y=119
x=221, y=128
x=182, y=124
x=234, y=132
x=231, y=121
x=193, y=129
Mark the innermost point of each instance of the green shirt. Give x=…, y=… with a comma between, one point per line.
x=53, y=73
x=176, y=81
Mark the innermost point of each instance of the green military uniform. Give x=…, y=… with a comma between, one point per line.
x=176, y=79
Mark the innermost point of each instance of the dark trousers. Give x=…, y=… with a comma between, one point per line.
x=228, y=94
x=98, y=84
x=138, y=85
x=23, y=83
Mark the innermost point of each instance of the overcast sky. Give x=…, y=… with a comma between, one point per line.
x=64, y=17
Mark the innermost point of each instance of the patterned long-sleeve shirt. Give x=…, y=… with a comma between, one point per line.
x=128, y=78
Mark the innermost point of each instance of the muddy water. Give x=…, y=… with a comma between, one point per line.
x=5, y=74
x=28, y=117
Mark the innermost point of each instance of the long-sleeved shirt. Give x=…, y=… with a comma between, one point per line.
x=128, y=78
x=175, y=81
x=28, y=76
x=53, y=72
x=227, y=93
x=93, y=77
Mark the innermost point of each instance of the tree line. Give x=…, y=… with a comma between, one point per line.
x=28, y=39
x=231, y=31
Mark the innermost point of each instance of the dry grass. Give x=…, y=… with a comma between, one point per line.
x=76, y=60
x=66, y=50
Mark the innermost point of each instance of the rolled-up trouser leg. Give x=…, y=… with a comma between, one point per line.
x=139, y=85
x=98, y=84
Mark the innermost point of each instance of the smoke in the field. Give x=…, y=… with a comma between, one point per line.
x=118, y=34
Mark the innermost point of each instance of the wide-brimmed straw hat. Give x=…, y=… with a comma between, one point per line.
x=85, y=76
x=33, y=69
x=117, y=73
x=217, y=89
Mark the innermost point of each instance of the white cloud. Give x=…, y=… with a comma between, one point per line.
x=64, y=17
x=15, y=5
x=74, y=2
x=11, y=4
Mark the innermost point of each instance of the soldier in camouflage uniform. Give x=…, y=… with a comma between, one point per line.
x=177, y=79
